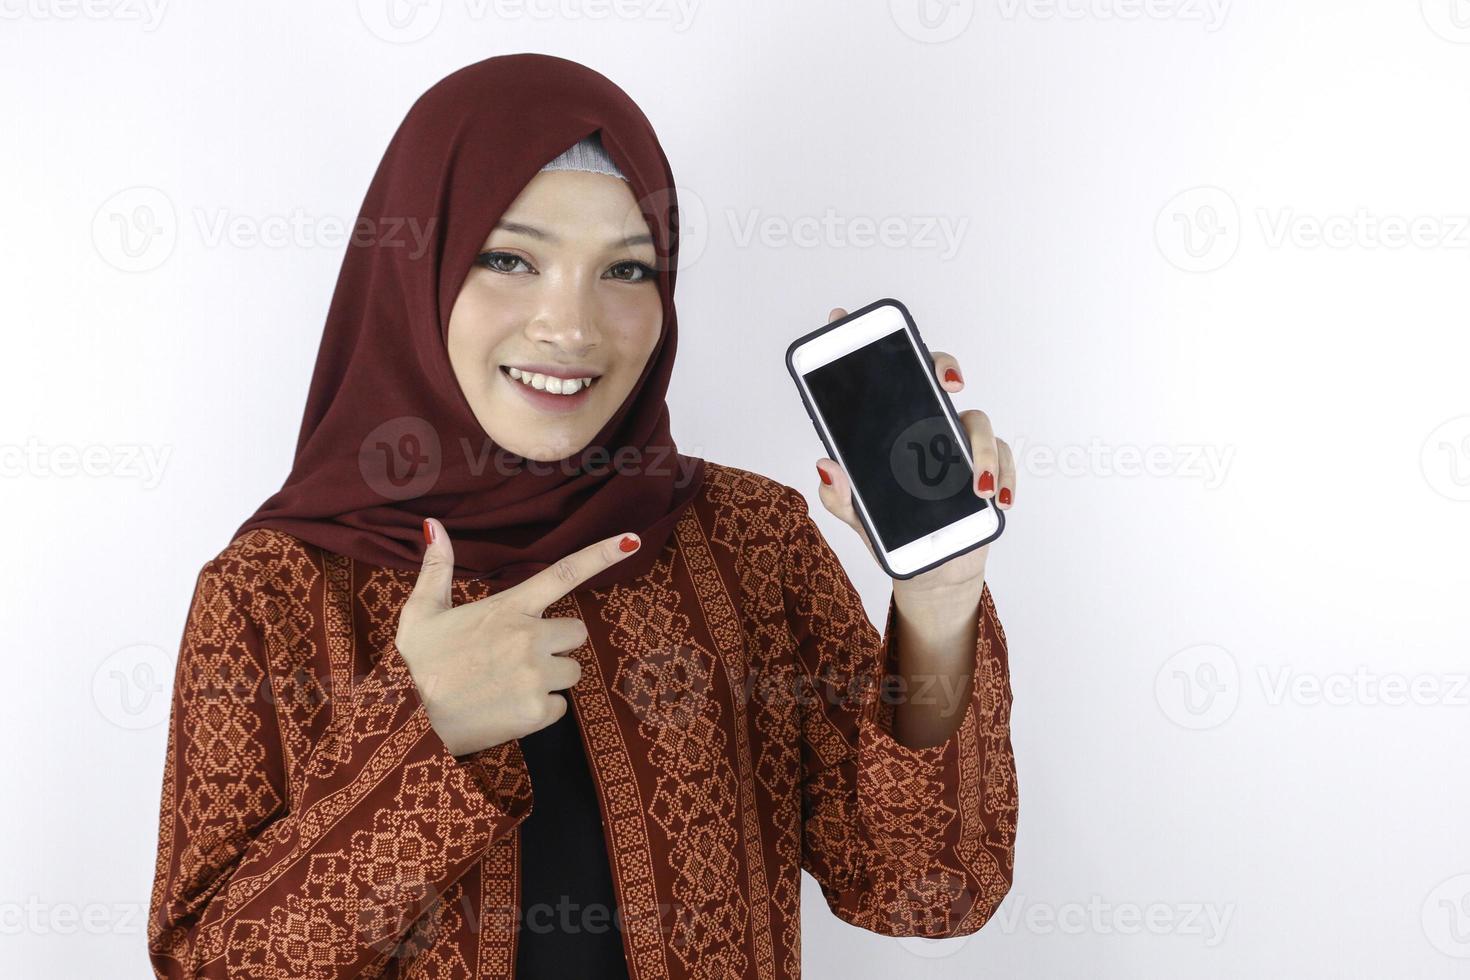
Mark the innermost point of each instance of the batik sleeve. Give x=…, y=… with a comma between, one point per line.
x=318, y=872
x=902, y=841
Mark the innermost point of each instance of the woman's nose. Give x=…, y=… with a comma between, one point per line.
x=565, y=320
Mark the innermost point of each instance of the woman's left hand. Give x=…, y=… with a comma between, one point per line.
x=995, y=471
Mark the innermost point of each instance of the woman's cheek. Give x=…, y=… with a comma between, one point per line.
x=636, y=324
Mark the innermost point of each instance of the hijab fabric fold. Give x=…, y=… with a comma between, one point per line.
x=387, y=437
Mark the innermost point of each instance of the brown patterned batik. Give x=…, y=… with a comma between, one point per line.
x=314, y=826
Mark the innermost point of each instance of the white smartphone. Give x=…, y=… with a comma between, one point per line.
x=869, y=387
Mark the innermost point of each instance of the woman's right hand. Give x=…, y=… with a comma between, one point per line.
x=487, y=671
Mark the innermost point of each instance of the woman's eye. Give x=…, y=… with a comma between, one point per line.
x=494, y=261
x=633, y=271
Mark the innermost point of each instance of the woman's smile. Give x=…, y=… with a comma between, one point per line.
x=551, y=390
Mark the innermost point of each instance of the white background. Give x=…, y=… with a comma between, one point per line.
x=1240, y=702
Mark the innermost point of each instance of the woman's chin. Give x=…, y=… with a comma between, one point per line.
x=546, y=449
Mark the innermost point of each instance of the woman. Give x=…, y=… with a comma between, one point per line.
x=372, y=767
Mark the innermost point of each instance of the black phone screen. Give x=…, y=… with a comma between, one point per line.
x=894, y=439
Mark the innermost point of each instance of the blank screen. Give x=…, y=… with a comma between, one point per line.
x=894, y=439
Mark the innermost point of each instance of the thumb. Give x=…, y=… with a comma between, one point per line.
x=836, y=495
x=431, y=592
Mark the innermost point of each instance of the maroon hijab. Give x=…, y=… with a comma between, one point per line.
x=388, y=437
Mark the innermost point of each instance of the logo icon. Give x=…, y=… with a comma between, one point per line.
x=400, y=21
x=135, y=230
x=1445, y=459
x=932, y=21
x=1198, y=687
x=400, y=459
x=927, y=462
x=667, y=687
x=688, y=219
x=131, y=686
x=1450, y=19
x=1446, y=917
x=1199, y=229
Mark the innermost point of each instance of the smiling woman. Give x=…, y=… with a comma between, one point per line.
x=555, y=323
x=435, y=719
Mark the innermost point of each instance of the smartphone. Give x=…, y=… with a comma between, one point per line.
x=869, y=387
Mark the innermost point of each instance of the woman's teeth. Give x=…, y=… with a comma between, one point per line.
x=557, y=386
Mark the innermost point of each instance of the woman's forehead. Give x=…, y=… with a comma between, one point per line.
x=576, y=207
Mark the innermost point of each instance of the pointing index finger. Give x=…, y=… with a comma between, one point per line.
x=569, y=573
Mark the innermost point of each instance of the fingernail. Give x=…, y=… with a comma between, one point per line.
x=951, y=375
x=1005, y=496
x=629, y=543
x=428, y=532
x=827, y=480
x=986, y=483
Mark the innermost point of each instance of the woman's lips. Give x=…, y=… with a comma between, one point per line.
x=545, y=401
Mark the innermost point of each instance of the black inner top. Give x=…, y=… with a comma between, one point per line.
x=568, y=922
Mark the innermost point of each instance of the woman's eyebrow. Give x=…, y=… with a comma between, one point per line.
x=546, y=236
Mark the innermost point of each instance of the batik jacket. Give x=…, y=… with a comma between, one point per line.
x=314, y=826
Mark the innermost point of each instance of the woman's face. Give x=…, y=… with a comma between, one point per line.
x=564, y=289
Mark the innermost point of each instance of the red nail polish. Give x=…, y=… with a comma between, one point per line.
x=1005, y=496
x=951, y=375
x=428, y=532
x=629, y=543
x=986, y=482
x=827, y=480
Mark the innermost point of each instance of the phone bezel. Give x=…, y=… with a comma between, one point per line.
x=959, y=432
